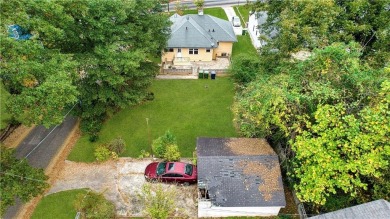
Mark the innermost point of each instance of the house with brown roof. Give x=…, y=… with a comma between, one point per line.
x=238, y=177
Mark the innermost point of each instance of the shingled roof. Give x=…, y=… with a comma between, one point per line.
x=199, y=31
x=379, y=209
x=240, y=172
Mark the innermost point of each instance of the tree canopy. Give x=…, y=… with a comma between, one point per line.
x=18, y=179
x=316, y=24
x=331, y=114
x=93, y=51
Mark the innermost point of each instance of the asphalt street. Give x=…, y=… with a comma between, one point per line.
x=39, y=148
x=210, y=3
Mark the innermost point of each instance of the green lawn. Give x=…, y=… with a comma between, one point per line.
x=4, y=116
x=243, y=12
x=244, y=45
x=188, y=108
x=58, y=205
x=216, y=12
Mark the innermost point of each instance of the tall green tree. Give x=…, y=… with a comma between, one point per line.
x=340, y=150
x=112, y=41
x=39, y=80
x=18, y=179
x=330, y=114
x=317, y=24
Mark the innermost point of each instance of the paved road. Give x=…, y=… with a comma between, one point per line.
x=39, y=148
x=210, y=3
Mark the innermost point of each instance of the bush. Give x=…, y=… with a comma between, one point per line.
x=159, y=145
x=244, y=68
x=144, y=154
x=117, y=145
x=102, y=153
x=94, y=206
x=158, y=202
x=172, y=153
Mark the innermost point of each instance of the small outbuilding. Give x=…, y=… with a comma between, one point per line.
x=238, y=177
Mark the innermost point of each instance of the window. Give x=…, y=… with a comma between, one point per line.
x=188, y=170
x=179, y=50
x=171, y=166
x=170, y=49
x=193, y=51
x=161, y=168
x=208, y=50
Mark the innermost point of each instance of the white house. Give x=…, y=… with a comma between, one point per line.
x=238, y=177
x=255, y=30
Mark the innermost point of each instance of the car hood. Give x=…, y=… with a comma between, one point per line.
x=151, y=170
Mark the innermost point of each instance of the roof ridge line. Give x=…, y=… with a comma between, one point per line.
x=209, y=36
x=179, y=26
x=213, y=18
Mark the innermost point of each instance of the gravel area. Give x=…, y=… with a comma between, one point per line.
x=121, y=182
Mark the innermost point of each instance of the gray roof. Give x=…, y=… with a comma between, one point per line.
x=240, y=172
x=379, y=209
x=199, y=31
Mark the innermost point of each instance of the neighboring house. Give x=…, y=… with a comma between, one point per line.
x=379, y=209
x=196, y=37
x=256, y=20
x=238, y=177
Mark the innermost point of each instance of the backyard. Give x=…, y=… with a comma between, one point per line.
x=188, y=108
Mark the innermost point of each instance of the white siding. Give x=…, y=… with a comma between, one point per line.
x=206, y=210
x=254, y=31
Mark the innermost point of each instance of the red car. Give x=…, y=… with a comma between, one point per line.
x=171, y=172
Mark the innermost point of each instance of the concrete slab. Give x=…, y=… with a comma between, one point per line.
x=230, y=13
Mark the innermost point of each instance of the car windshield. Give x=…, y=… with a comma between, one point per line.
x=188, y=169
x=161, y=168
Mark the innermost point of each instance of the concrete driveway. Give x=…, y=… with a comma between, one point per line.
x=121, y=182
x=230, y=13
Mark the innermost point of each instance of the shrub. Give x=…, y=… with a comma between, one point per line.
x=159, y=145
x=102, y=153
x=94, y=205
x=172, y=153
x=244, y=68
x=144, y=154
x=117, y=145
x=158, y=202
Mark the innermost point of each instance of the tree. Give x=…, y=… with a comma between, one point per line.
x=340, y=150
x=39, y=79
x=199, y=4
x=112, y=41
x=330, y=87
x=317, y=24
x=18, y=179
x=180, y=8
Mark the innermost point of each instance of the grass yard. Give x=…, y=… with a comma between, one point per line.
x=58, y=205
x=4, y=116
x=216, y=12
x=243, y=12
x=188, y=108
x=244, y=45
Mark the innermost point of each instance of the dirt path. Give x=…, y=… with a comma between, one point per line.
x=121, y=182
